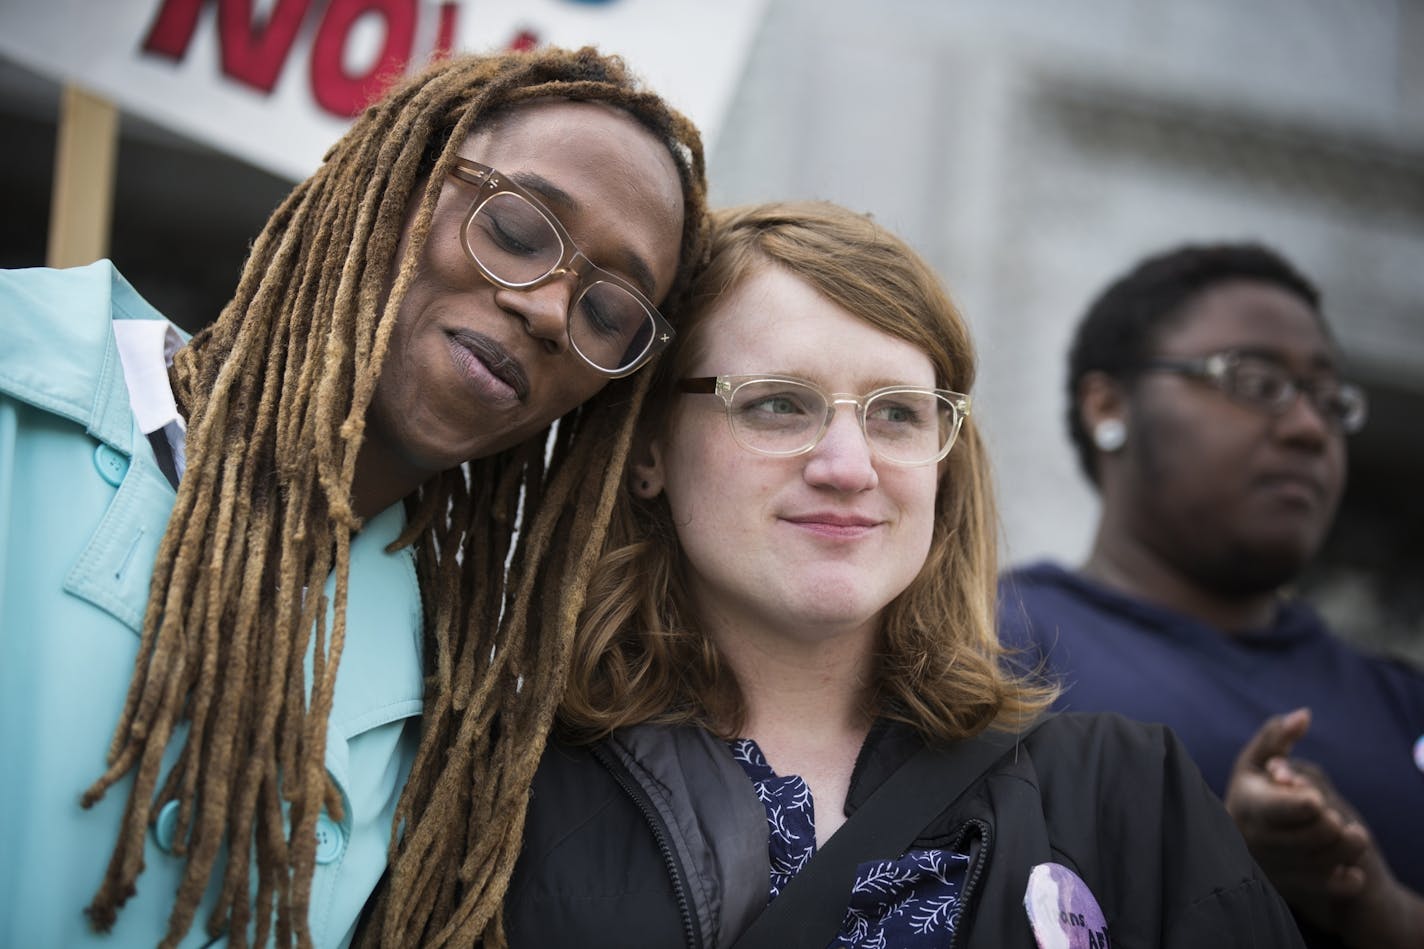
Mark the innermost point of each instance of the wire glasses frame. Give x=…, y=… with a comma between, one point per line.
x=783, y=416
x=1267, y=386
x=518, y=244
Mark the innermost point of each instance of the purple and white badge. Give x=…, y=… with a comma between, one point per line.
x=1063, y=911
x=1419, y=753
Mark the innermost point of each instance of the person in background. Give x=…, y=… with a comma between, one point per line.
x=792, y=613
x=260, y=552
x=1208, y=407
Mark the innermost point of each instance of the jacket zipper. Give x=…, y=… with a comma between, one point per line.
x=655, y=823
x=978, y=861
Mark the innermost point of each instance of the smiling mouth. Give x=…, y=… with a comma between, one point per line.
x=496, y=359
x=834, y=525
x=835, y=520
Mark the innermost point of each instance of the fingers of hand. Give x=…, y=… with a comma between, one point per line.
x=1345, y=881
x=1281, y=771
x=1276, y=806
x=1275, y=738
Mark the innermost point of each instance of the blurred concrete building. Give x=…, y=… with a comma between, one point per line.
x=1031, y=149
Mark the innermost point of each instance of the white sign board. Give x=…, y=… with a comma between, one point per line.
x=275, y=82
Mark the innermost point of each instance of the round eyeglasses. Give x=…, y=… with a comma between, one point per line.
x=778, y=415
x=518, y=244
x=1267, y=386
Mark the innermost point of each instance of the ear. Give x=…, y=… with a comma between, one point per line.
x=645, y=468
x=1103, y=406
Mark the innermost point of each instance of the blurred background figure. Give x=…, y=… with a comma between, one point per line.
x=1208, y=406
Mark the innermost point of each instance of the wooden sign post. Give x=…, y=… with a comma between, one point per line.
x=82, y=203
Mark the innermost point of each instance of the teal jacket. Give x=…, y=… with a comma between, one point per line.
x=83, y=507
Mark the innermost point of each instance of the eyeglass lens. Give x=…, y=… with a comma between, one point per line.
x=780, y=417
x=1271, y=386
x=516, y=245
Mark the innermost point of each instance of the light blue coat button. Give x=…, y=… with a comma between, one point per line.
x=166, y=825
x=111, y=463
x=330, y=840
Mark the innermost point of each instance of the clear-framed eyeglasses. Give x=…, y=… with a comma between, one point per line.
x=1267, y=386
x=781, y=415
x=517, y=243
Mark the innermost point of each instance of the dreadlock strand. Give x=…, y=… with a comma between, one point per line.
x=300, y=375
x=233, y=717
x=483, y=589
x=272, y=859
x=210, y=643
x=585, y=551
x=484, y=861
x=206, y=756
x=127, y=861
x=493, y=854
x=458, y=500
x=150, y=681
x=426, y=837
x=233, y=904
x=313, y=794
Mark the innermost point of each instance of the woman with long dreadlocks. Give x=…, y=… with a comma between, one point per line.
x=268, y=552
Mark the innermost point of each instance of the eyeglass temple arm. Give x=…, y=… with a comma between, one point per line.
x=473, y=172
x=699, y=384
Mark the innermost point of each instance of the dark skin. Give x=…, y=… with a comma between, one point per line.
x=474, y=368
x=615, y=188
x=1209, y=508
x=1211, y=505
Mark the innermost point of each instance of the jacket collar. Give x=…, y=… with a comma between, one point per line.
x=888, y=745
x=62, y=356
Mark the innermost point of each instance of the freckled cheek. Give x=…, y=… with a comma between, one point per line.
x=705, y=498
x=920, y=528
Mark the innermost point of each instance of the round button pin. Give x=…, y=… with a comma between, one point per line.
x=1419, y=753
x=1062, y=910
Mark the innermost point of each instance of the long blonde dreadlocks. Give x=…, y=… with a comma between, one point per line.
x=276, y=393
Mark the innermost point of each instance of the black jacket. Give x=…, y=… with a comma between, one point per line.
x=655, y=838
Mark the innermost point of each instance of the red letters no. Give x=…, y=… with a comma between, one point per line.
x=250, y=54
x=335, y=89
x=255, y=54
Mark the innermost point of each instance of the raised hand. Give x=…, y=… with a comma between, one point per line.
x=1314, y=846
